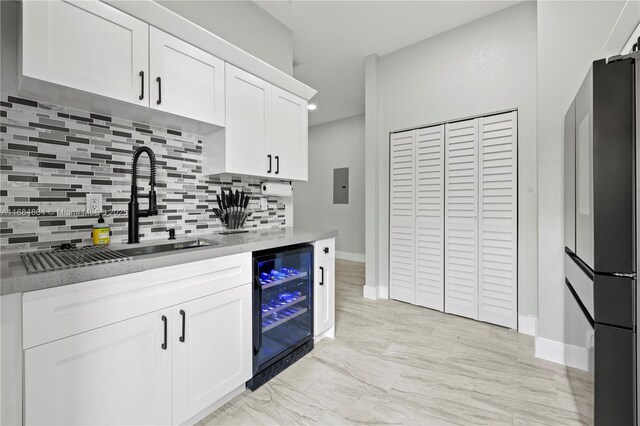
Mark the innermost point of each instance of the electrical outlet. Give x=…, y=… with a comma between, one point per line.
x=94, y=203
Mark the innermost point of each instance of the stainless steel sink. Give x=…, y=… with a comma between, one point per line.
x=161, y=248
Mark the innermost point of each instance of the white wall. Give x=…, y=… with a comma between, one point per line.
x=484, y=66
x=571, y=34
x=243, y=24
x=333, y=145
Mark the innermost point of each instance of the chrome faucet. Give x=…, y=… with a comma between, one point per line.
x=134, y=208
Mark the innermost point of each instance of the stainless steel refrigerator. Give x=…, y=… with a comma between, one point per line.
x=602, y=151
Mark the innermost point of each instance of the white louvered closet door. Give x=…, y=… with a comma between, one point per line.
x=429, y=222
x=498, y=242
x=401, y=217
x=461, y=226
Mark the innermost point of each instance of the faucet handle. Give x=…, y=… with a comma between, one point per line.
x=153, y=204
x=172, y=234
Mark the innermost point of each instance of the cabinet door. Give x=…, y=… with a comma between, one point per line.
x=248, y=100
x=324, y=294
x=185, y=80
x=118, y=374
x=211, y=349
x=289, y=138
x=402, y=217
x=430, y=217
x=86, y=45
x=461, y=219
x=498, y=219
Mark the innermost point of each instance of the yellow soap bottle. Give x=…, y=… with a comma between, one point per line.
x=100, y=232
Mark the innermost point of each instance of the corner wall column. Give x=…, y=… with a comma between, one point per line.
x=372, y=214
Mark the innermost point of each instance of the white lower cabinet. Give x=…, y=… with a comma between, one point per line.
x=211, y=344
x=160, y=367
x=324, y=288
x=325, y=296
x=118, y=374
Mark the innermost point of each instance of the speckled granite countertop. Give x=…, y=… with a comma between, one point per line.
x=15, y=279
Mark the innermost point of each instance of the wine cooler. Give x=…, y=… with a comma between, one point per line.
x=282, y=310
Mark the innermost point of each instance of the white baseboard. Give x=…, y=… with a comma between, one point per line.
x=550, y=350
x=576, y=357
x=383, y=292
x=354, y=257
x=527, y=325
x=370, y=292
x=213, y=407
x=330, y=333
x=560, y=353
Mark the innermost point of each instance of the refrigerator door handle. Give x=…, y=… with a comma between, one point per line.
x=621, y=275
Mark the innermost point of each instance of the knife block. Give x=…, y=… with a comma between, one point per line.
x=234, y=221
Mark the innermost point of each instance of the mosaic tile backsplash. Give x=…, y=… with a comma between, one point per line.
x=52, y=156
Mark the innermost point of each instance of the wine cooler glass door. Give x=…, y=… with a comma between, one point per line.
x=283, y=286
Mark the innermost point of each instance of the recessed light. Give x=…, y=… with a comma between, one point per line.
x=312, y=107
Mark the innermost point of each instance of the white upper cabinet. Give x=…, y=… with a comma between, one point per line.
x=86, y=45
x=289, y=140
x=248, y=124
x=93, y=48
x=266, y=131
x=185, y=80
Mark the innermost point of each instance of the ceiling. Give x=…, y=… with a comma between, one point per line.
x=332, y=38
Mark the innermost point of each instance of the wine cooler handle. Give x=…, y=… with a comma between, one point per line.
x=321, y=275
x=257, y=322
x=164, y=344
x=183, y=324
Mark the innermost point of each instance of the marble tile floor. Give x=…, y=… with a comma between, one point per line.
x=394, y=363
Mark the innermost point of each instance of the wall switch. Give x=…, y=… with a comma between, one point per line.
x=263, y=203
x=94, y=203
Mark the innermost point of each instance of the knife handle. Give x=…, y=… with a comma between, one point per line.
x=219, y=202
